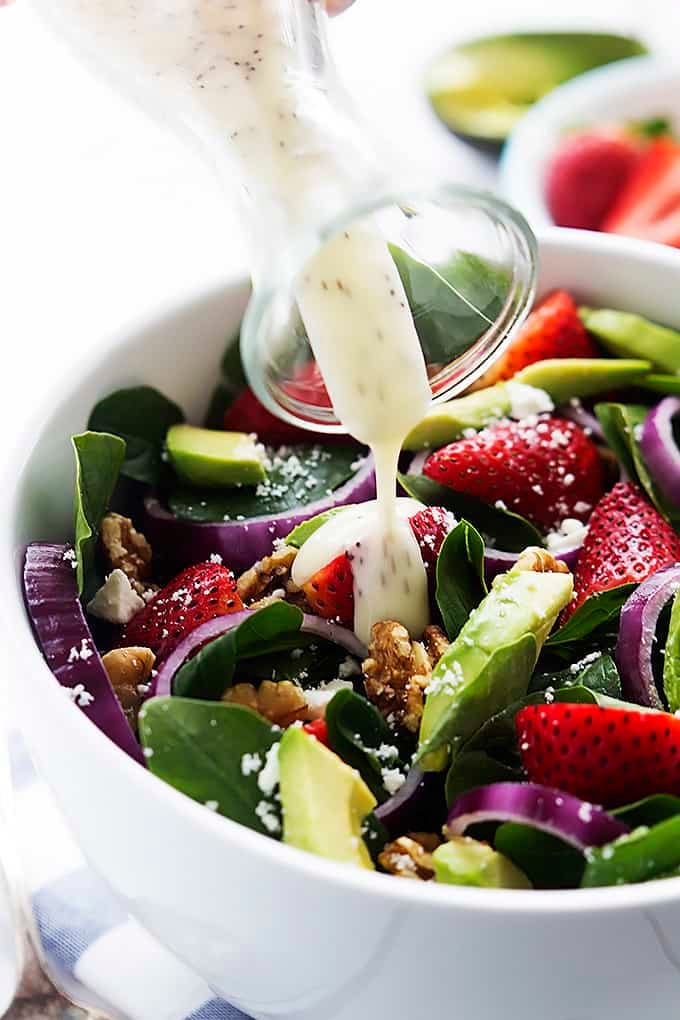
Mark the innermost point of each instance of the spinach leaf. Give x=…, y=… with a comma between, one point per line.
x=301, y=476
x=638, y=857
x=620, y=423
x=597, y=612
x=358, y=733
x=599, y=675
x=507, y=530
x=232, y=382
x=374, y=835
x=460, y=576
x=503, y=680
x=141, y=416
x=453, y=304
x=649, y=811
x=198, y=747
x=546, y=861
x=99, y=457
x=211, y=671
x=671, y=659
x=312, y=661
x=470, y=769
x=302, y=532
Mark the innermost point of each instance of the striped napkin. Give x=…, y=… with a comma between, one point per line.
x=92, y=949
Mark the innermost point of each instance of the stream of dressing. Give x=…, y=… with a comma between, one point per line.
x=230, y=66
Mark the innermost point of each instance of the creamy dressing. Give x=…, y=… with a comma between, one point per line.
x=228, y=70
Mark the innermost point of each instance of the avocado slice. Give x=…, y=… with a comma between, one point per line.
x=465, y=861
x=631, y=336
x=445, y=422
x=324, y=801
x=481, y=88
x=489, y=664
x=214, y=458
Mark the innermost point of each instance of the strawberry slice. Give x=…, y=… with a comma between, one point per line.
x=627, y=541
x=547, y=470
x=649, y=205
x=553, y=330
x=604, y=755
x=198, y=594
x=247, y=414
x=330, y=592
x=585, y=176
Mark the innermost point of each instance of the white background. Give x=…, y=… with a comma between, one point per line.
x=103, y=216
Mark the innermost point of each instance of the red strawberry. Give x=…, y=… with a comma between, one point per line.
x=330, y=592
x=545, y=470
x=553, y=330
x=649, y=205
x=627, y=540
x=605, y=755
x=585, y=176
x=318, y=728
x=198, y=594
x=247, y=414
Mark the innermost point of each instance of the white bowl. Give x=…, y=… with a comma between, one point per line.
x=279, y=932
x=634, y=89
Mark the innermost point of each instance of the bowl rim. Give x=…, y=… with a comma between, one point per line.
x=521, y=183
x=369, y=884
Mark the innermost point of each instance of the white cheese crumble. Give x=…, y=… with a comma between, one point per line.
x=250, y=763
x=393, y=780
x=526, y=401
x=83, y=653
x=116, y=601
x=268, y=779
x=78, y=695
x=70, y=557
x=571, y=532
x=585, y=812
x=318, y=698
x=348, y=667
x=265, y=812
x=215, y=558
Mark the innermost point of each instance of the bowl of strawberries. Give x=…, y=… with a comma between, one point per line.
x=602, y=152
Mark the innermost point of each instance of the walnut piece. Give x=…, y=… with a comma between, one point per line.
x=268, y=573
x=408, y=857
x=540, y=561
x=127, y=669
x=396, y=673
x=282, y=702
x=436, y=643
x=126, y=548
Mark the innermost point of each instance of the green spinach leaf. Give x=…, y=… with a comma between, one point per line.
x=644, y=854
x=140, y=415
x=301, y=476
x=312, y=661
x=198, y=747
x=99, y=457
x=507, y=530
x=597, y=612
x=231, y=384
x=546, y=861
x=671, y=658
x=358, y=733
x=275, y=627
x=650, y=811
x=599, y=674
x=460, y=576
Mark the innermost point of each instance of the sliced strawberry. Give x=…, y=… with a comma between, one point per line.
x=198, y=594
x=247, y=414
x=585, y=176
x=649, y=205
x=627, y=541
x=318, y=728
x=553, y=330
x=546, y=470
x=604, y=755
x=330, y=592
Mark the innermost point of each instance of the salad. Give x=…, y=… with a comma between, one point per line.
x=528, y=738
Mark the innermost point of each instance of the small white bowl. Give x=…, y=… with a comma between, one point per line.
x=634, y=89
x=282, y=933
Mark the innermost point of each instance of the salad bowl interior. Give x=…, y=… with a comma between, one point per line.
x=638, y=89
x=278, y=932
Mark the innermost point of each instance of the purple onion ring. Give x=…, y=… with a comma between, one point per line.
x=637, y=631
x=660, y=449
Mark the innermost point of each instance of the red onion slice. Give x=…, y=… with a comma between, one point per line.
x=660, y=449
x=242, y=543
x=418, y=804
x=162, y=684
x=637, y=630
x=584, y=419
x=67, y=644
x=571, y=819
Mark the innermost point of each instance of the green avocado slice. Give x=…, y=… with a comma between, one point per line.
x=465, y=861
x=214, y=458
x=630, y=336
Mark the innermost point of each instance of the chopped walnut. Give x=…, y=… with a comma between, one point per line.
x=127, y=669
x=396, y=673
x=436, y=643
x=267, y=574
x=282, y=702
x=540, y=561
x=125, y=547
x=410, y=856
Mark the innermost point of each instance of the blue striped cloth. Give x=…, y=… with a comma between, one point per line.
x=94, y=951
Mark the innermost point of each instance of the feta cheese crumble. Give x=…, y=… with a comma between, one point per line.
x=116, y=601
x=526, y=401
x=78, y=695
x=268, y=779
x=571, y=532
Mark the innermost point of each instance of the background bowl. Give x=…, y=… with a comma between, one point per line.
x=635, y=89
x=282, y=933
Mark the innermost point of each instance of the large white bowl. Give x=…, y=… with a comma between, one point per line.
x=634, y=89
x=281, y=933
